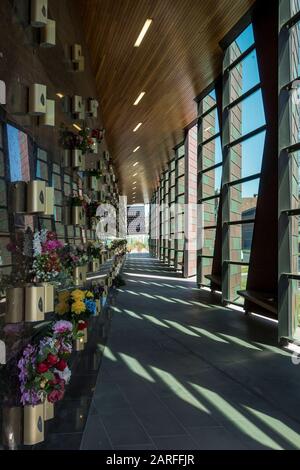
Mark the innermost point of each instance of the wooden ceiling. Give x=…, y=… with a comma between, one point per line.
x=178, y=58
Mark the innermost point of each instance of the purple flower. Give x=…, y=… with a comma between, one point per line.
x=62, y=326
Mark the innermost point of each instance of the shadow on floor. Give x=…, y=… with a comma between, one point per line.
x=181, y=372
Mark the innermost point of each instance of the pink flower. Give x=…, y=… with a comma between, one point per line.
x=51, y=245
x=62, y=326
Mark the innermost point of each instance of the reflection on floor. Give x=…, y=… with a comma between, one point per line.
x=180, y=372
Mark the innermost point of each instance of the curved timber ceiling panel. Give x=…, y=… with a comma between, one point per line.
x=178, y=58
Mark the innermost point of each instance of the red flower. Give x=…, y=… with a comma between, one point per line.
x=82, y=325
x=61, y=365
x=51, y=236
x=42, y=367
x=56, y=395
x=52, y=359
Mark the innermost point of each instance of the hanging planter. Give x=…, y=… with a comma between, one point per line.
x=15, y=301
x=34, y=303
x=49, y=296
x=33, y=424
x=79, y=275
x=48, y=410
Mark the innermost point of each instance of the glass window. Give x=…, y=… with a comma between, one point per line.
x=243, y=42
x=18, y=154
x=210, y=125
x=243, y=200
x=42, y=170
x=210, y=212
x=246, y=157
x=181, y=151
x=237, y=281
x=295, y=7
x=211, y=153
x=206, y=269
x=244, y=76
x=247, y=116
x=180, y=185
x=240, y=242
x=42, y=155
x=209, y=236
x=181, y=167
x=211, y=182
x=56, y=181
x=209, y=101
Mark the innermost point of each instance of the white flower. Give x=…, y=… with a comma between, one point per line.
x=64, y=374
x=37, y=247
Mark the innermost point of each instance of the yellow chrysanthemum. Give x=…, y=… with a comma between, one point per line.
x=77, y=294
x=61, y=308
x=89, y=295
x=78, y=307
x=63, y=296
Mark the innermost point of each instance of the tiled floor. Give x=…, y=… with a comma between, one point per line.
x=180, y=372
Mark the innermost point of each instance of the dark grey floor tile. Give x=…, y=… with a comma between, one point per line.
x=60, y=442
x=123, y=427
x=109, y=396
x=158, y=421
x=215, y=438
x=95, y=436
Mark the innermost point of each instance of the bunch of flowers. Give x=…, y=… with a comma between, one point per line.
x=94, y=249
x=43, y=368
x=82, y=140
x=46, y=266
x=73, y=256
x=98, y=134
x=97, y=291
x=77, y=304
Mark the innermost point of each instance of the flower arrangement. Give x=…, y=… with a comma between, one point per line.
x=77, y=305
x=83, y=140
x=97, y=291
x=43, y=368
x=94, y=249
x=74, y=256
x=46, y=266
x=98, y=134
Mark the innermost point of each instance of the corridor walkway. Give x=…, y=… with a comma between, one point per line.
x=179, y=372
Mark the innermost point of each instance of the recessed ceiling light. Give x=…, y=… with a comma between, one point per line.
x=134, y=182
x=136, y=163
x=141, y=95
x=137, y=127
x=135, y=174
x=136, y=149
x=60, y=95
x=143, y=32
x=77, y=127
